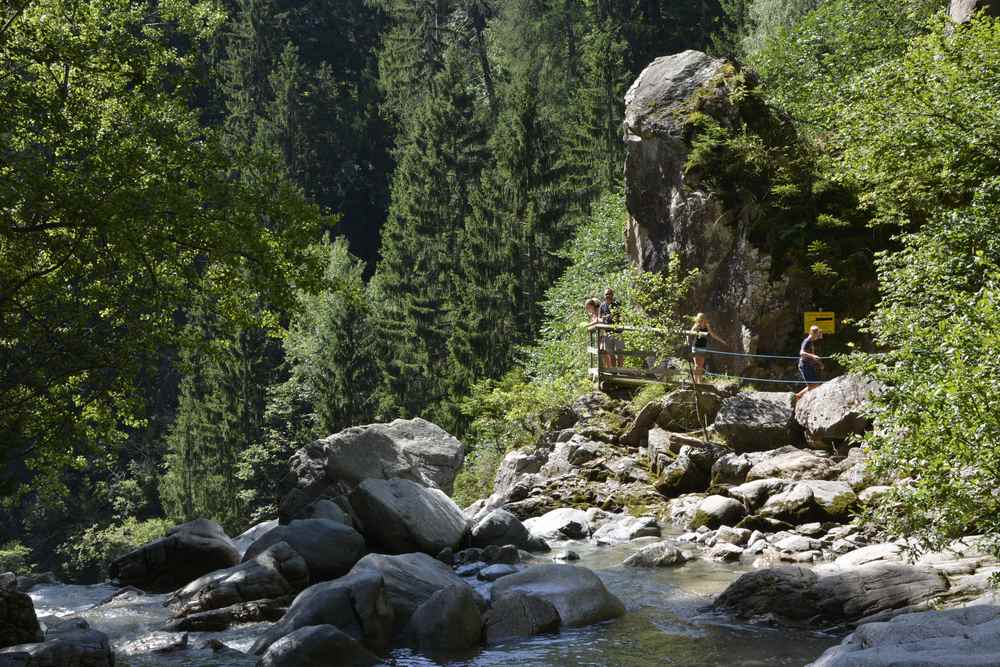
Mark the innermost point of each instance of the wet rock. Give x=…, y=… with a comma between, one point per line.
x=494, y=572
x=18, y=623
x=799, y=596
x=357, y=604
x=833, y=411
x=791, y=463
x=725, y=552
x=277, y=572
x=500, y=527
x=659, y=554
x=217, y=620
x=567, y=554
x=959, y=637
x=757, y=420
x=401, y=516
x=187, y=552
x=315, y=646
x=448, y=621
x=626, y=528
x=252, y=534
x=561, y=524
x=69, y=642
x=715, y=511
x=28, y=581
x=519, y=615
x=409, y=580
x=577, y=593
x=411, y=449
x=738, y=536
x=329, y=548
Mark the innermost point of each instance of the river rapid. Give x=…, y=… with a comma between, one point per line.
x=666, y=624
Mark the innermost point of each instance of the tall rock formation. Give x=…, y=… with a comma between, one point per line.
x=676, y=207
x=962, y=10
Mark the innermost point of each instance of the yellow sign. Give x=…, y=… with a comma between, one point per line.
x=822, y=319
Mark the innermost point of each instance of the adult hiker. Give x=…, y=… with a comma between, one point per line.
x=810, y=363
x=701, y=331
x=609, y=315
x=593, y=308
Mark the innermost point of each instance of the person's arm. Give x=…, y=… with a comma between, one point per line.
x=809, y=355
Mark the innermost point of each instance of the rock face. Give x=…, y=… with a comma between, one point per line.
x=799, y=596
x=356, y=604
x=672, y=210
x=315, y=646
x=833, y=410
x=412, y=449
x=448, y=621
x=187, y=552
x=330, y=549
x=960, y=637
x=277, y=572
x=401, y=516
x=962, y=10
x=757, y=420
x=576, y=593
x=69, y=642
x=519, y=615
x=18, y=623
x=409, y=580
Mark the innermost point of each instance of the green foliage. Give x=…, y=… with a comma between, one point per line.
x=920, y=133
x=118, y=206
x=655, y=309
x=595, y=260
x=766, y=18
x=810, y=65
x=88, y=555
x=16, y=558
x=648, y=394
x=935, y=427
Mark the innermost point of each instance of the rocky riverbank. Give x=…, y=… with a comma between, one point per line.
x=371, y=557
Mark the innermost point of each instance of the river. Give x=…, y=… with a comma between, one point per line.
x=665, y=624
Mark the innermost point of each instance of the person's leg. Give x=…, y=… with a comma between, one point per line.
x=699, y=368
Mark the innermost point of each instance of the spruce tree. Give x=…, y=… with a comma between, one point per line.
x=414, y=286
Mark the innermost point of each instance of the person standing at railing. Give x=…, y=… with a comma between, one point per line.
x=609, y=315
x=593, y=308
x=810, y=363
x=701, y=331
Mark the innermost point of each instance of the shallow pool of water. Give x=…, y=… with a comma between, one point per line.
x=667, y=623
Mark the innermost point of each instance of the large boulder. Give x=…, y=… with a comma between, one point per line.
x=961, y=11
x=318, y=646
x=401, y=516
x=69, y=642
x=500, y=527
x=565, y=523
x=519, y=615
x=330, y=549
x=412, y=449
x=252, y=534
x=674, y=210
x=964, y=637
x=638, y=430
x=625, y=528
x=216, y=620
x=800, y=596
x=757, y=420
x=356, y=603
x=577, y=593
x=409, y=580
x=833, y=411
x=715, y=511
x=791, y=463
x=658, y=554
x=681, y=409
x=276, y=572
x=448, y=621
x=690, y=471
x=186, y=552
x=18, y=623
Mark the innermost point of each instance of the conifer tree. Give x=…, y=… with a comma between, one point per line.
x=414, y=286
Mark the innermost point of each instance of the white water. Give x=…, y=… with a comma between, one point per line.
x=665, y=624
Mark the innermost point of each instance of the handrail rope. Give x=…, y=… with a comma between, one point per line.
x=701, y=350
x=740, y=377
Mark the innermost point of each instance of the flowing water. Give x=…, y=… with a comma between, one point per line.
x=665, y=624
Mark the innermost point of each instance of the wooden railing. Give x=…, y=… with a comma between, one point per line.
x=601, y=359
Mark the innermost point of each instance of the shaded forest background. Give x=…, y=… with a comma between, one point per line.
x=231, y=228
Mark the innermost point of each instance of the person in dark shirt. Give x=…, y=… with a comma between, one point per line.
x=810, y=363
x=700, y=332
x=609, y=315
